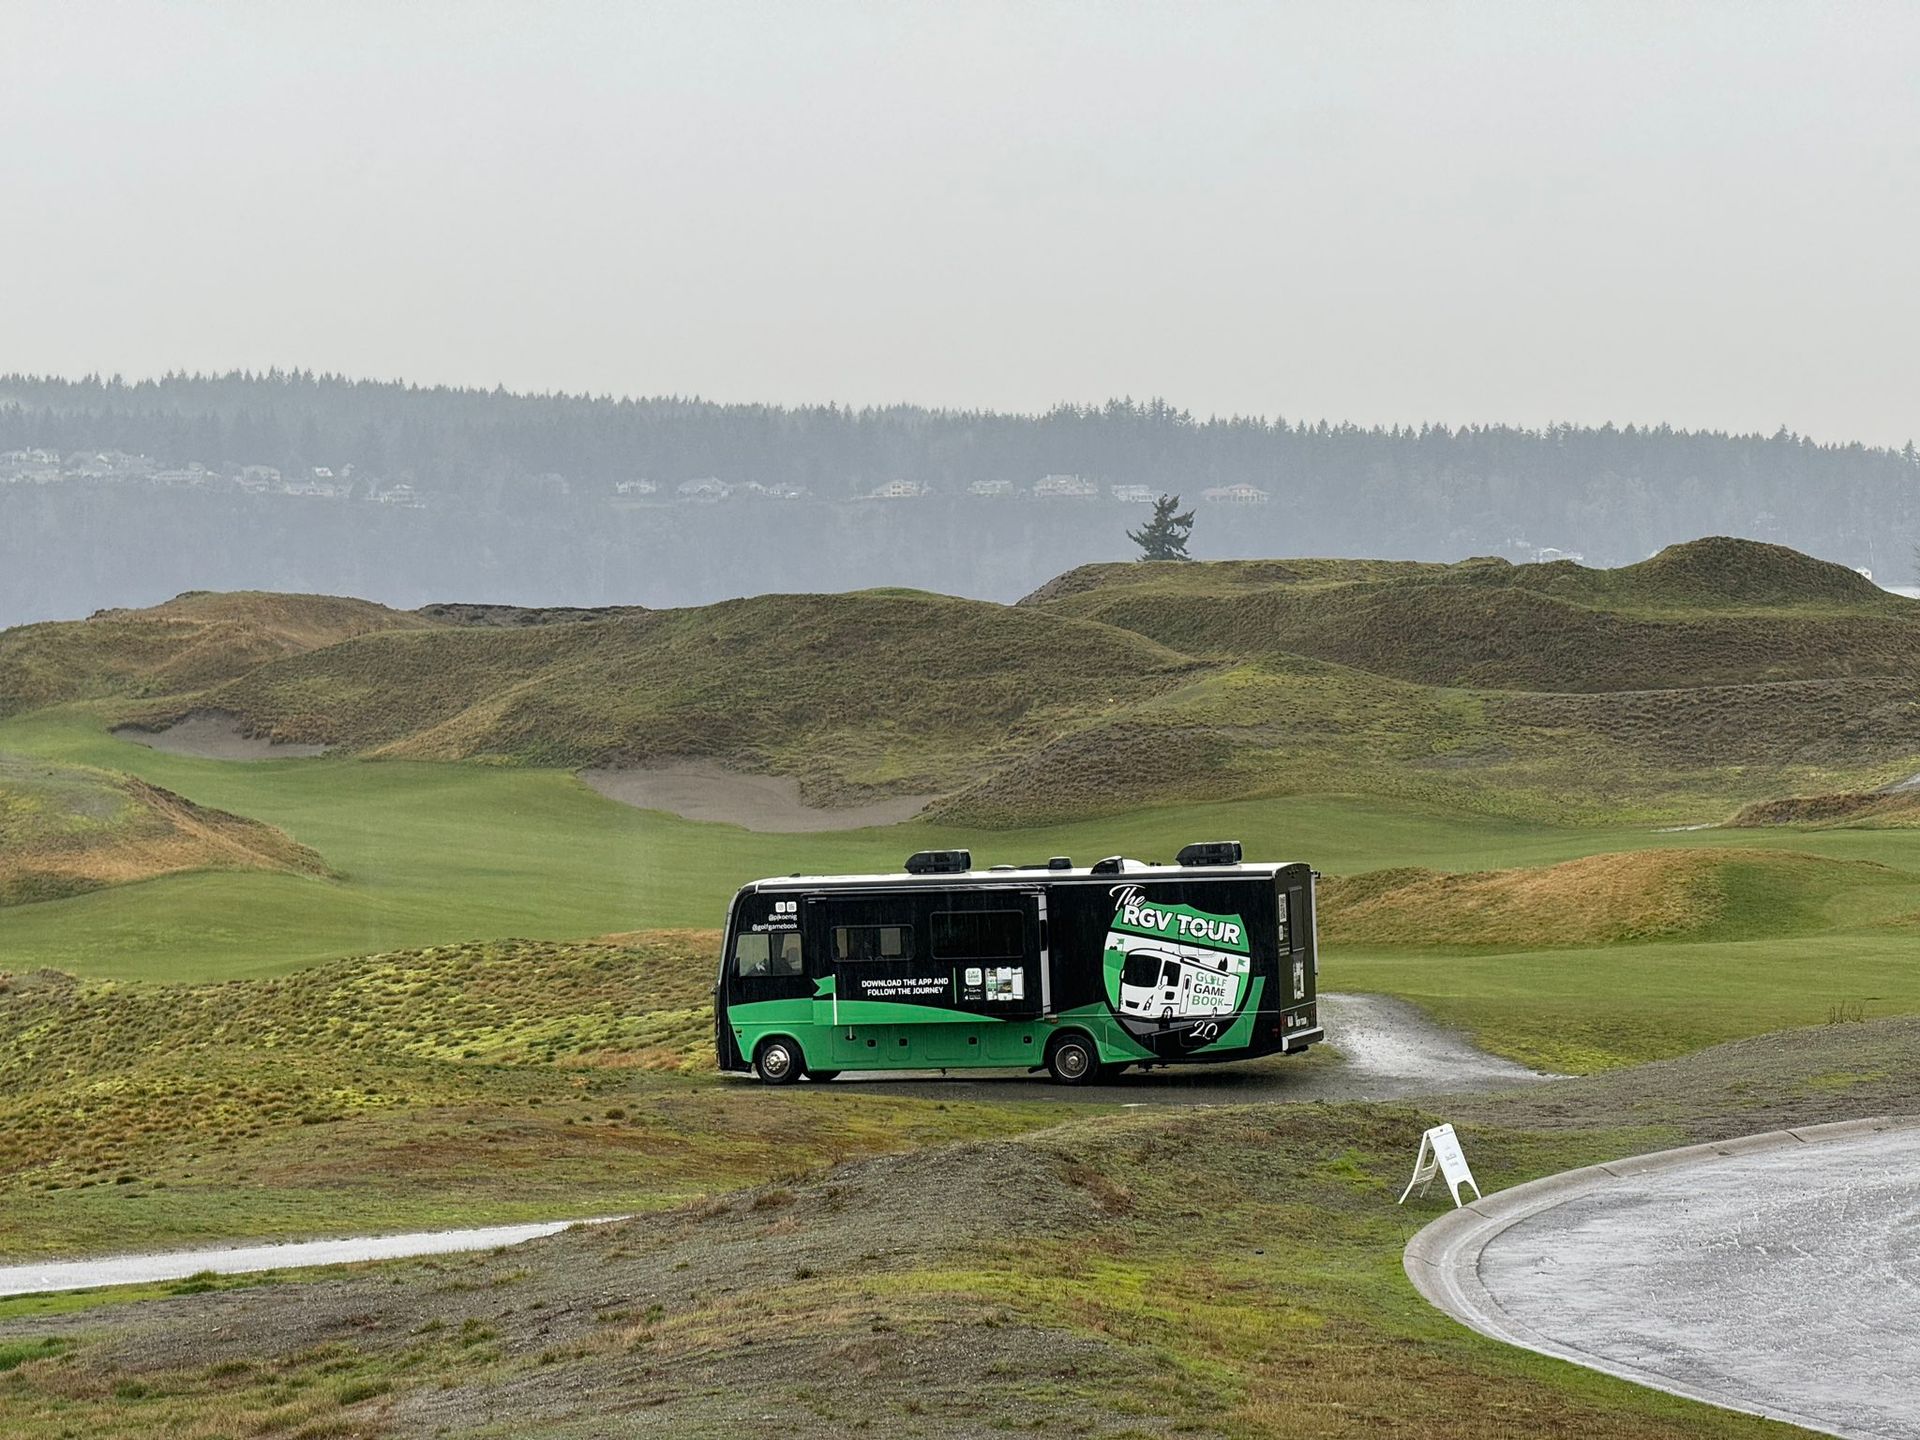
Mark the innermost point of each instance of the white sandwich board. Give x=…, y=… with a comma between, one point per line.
x=1440, y=1154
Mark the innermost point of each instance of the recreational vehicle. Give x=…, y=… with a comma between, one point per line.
x=1078, y=971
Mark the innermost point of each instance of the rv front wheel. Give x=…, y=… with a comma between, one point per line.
x=778, y=1062
x=1071, y=1059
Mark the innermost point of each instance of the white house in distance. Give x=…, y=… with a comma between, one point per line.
x=899, y=490
x=1132, y=494
x=634, y=489
x=706, y=490
x=1241, y=494
x=991, y=488
x=1065, y=487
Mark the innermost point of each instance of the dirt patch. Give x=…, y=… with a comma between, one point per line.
x=701, y=790
x=216, y=735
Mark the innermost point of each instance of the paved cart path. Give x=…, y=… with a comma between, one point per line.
x=44, y=1276
x=1783, y=1278
x=1381, y=1049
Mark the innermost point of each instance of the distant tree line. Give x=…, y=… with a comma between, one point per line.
x=1612, y=493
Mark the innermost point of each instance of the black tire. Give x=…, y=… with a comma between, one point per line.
x=778, y=1061
x=822, y=1076
x=1072, y=1059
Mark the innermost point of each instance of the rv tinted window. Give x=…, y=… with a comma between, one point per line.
x=1142, y=968
x=751, y=954
x=787, y=958
x=977, y=935
x=873, y=942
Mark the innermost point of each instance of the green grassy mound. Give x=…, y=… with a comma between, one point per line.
x=882, y=689
x=1712, y=612
x=1721, y=894
x=192, y=641
x=471, y=1082
x=67, y=829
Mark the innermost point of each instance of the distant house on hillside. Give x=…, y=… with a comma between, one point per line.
x=317, y=489
x=185, y=476
x=1546, y=555
x=1132, y=494
x=899, y=490
x=1241, y=494
x=634, y=488
x=403, y=497
x=257, y=478
x=993, y=488
x=704, y=491
x=1066, y=487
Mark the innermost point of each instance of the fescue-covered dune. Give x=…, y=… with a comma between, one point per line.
x=188, y=643
x=65, y=829
x=1692, y=894
x=1716, y=674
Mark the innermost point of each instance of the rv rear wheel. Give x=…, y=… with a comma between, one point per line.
x=1071, y=1059
x=778, y=1062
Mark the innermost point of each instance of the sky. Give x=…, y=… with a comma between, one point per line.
x=1707, y=215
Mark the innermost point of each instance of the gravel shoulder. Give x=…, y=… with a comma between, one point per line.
x=1773, y=1274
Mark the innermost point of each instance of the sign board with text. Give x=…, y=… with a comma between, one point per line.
x=1440, y=1154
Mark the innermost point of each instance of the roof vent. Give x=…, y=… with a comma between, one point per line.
x=939, y=862
x=1112, y=865
x=1059, y=862
x=1210, y=852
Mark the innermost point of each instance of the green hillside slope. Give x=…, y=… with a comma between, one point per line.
x=190, y=642
x=1710, y=612
x=881, y=689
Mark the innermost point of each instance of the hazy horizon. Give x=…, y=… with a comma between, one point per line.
x=1497, y=213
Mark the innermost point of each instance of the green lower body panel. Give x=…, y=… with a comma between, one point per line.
x=873, y=1036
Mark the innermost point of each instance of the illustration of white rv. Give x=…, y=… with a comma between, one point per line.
x=1179, y=982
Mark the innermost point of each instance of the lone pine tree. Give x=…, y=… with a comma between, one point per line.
x=1164, y=537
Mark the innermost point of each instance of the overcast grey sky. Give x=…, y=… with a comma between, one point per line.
x=1702, y=214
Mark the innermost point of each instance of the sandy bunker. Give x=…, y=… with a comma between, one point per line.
x=215, y=735
x=702, y=790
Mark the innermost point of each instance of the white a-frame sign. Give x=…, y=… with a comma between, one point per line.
x=1440, y=1154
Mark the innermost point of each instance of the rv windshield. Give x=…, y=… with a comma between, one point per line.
x=1142, y=968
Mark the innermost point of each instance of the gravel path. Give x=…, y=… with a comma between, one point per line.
x=44, y=1276
x=1778, y=1274
x=1382, y=1049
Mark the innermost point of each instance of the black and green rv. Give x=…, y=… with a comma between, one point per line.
x=1080, y=971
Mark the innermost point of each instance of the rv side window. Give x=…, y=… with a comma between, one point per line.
x=977, y=935
x=872, y=942
x=787, y=956
x=752, y=954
